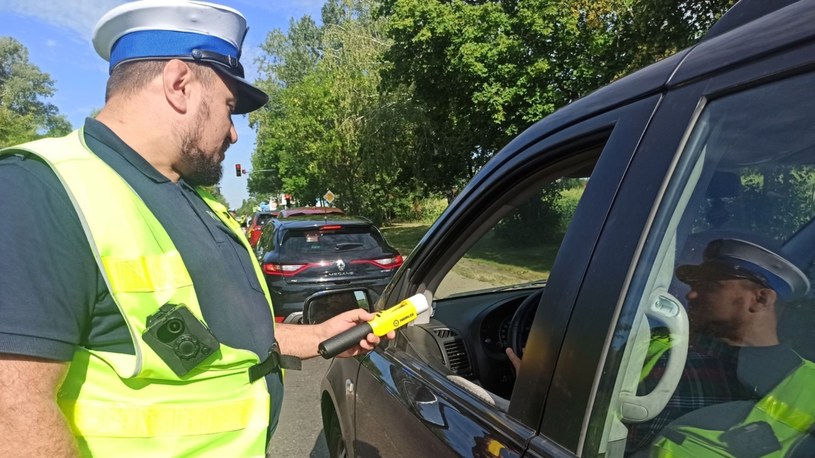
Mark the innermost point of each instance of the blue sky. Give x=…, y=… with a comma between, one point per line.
x=58, y=33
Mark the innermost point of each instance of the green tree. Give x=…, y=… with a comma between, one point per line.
x=24, y=115
x=486, y=70
x=388, y=102
x=327, y=125
x=482, y=71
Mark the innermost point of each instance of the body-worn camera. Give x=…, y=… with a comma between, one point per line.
x=179, y=338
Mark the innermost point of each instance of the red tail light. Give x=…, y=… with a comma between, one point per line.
x=383, y=263
x=284, y=270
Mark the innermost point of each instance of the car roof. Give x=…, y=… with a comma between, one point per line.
x=743, y=12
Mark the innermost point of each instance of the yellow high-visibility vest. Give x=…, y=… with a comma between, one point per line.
x=134, y=405
x=772, y=428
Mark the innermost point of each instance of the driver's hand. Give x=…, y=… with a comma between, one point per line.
x=513, y=358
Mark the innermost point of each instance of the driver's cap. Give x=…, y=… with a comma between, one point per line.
x=739, y=259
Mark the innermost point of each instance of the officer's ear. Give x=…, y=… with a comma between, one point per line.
x=177, y=76
x=764, y=299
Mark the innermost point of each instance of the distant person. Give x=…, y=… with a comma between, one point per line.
x=734, y=353
x=133, y=320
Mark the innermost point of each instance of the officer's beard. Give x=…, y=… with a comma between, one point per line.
x=701, y=324
x=202, y=168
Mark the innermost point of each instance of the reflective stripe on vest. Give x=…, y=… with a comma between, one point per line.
x=787, y=413
x=134, y=405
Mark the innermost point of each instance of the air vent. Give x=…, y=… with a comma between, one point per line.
x=457, y=359
x=444, y=333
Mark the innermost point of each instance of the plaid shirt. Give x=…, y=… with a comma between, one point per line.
x=709, y=378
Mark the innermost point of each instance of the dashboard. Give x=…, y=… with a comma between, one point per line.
x=495, y=326
x=468, y=335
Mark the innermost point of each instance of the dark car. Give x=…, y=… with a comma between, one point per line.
x=714, y=143
x=302, y=255
x=254, y=226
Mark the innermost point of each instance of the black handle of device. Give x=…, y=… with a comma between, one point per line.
x=333, y=346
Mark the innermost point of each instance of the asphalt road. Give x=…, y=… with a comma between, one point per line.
x=300, y=430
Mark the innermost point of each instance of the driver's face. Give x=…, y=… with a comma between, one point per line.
x=719, y=307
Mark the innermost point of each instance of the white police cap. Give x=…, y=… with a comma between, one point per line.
x=178, y=29
x=735, y=258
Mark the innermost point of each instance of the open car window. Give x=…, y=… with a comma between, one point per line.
x=489, y=288
x=519, y=248
x=715, y=341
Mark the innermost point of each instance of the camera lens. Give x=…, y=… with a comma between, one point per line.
x=175, y=326
x=170, y=330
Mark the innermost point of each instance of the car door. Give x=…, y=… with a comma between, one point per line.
x=728, y=155
x=409, y=403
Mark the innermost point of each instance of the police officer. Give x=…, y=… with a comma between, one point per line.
x=134, y=320
x=734, y=299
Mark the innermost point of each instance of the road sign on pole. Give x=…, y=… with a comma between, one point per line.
x=329, y=196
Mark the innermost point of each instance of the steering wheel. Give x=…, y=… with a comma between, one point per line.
x=520, y=323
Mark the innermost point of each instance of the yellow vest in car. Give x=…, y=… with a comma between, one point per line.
x=772, y=428
x=135, y=405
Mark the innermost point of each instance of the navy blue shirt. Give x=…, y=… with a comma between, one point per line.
x=52, y=295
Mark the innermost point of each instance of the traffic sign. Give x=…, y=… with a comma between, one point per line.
x=329, y=197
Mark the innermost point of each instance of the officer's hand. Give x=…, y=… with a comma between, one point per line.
x=348, y=320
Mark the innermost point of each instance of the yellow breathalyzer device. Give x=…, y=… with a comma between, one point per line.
x=382, y=323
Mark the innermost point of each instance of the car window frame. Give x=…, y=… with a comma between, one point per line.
x=621, y=128
x=682, y=102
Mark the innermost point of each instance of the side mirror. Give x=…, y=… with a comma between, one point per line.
x=323, y=305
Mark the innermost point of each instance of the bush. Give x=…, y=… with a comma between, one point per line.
x=429, y=209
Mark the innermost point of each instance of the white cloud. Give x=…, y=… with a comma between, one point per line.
x=78, y=16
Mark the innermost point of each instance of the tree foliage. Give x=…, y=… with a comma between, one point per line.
x=486, y=70
x=390, y=101
x=24, y=115
x=327, y=124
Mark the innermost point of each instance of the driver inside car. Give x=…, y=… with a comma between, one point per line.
x=734, y=357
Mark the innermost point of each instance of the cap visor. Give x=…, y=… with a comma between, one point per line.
x=250, y=98
x=690, y=273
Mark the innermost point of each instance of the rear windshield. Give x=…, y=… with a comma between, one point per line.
x=332, y=241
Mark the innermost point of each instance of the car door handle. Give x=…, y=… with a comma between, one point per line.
x=420, y=399
x=428, y=408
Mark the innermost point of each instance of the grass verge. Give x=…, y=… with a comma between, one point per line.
x=488, y=261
